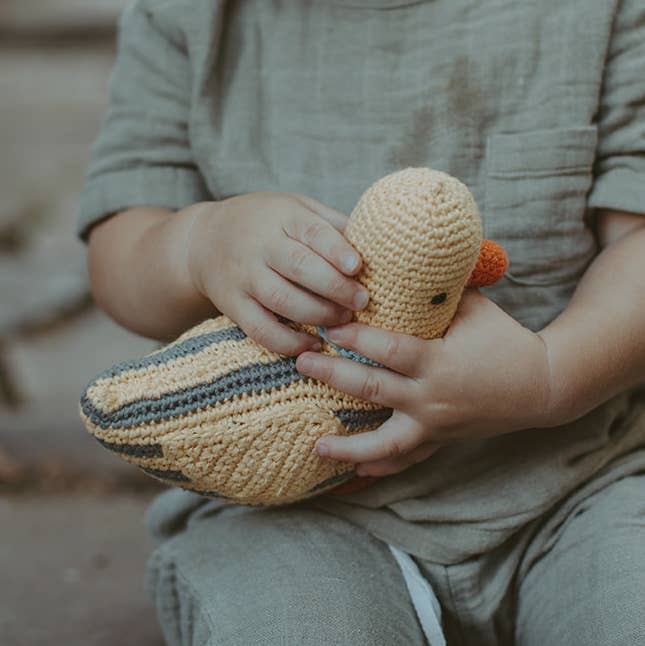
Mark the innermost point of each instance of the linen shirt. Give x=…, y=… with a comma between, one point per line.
x=539, y=107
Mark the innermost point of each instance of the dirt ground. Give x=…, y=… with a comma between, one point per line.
x=72, y=571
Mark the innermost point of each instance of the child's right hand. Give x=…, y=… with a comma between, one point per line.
x=262, y=254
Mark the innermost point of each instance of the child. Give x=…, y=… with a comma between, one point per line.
x=238, y=136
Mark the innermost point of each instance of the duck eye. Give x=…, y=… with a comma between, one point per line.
x=438, y=298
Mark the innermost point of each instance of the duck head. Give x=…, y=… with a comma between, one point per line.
x=420, y=236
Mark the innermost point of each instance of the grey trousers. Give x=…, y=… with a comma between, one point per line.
x=239, y=576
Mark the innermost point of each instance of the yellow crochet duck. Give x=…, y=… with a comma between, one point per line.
x=216, y=413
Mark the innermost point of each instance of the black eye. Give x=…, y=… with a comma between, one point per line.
x=438, y=298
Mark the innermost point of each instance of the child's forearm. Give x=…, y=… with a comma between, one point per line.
x=596, y=347
x=138, y=271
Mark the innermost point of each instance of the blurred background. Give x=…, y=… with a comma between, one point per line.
x=73, y=544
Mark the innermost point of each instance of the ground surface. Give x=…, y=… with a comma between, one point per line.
x=72, y=543
x=71, y=571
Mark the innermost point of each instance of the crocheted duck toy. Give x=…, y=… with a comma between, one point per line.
x=218, y=414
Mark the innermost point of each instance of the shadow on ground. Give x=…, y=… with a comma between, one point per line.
x=72, y=571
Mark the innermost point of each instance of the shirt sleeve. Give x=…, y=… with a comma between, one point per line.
x=142, y=155
x=620, y=163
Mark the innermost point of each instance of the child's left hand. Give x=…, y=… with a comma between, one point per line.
x=489, y=375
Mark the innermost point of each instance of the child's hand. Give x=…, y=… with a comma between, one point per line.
x=487, y=376
x=263, y=253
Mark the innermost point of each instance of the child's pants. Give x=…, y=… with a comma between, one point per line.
x=239, y=576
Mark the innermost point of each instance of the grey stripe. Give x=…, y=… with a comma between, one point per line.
x=253, y=379
x=175, y=476
x=189, y=346
x=135, y=450
x=348, y=354
x=208, y=494
x=356, y=420
x=337, y=479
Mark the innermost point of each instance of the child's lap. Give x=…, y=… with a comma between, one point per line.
x=296, y=575
x=582, y=580
x=279, y=576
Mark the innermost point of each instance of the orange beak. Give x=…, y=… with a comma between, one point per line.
x=491, y=265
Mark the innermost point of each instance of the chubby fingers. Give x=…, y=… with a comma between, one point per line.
x=403, y=353
x=376, y=385
x=388, y=466
x=324, y=239
x=309, y=267
x=394, y=441
x=264, y=328
x=337, y=219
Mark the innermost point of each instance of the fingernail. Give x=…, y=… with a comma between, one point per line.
x=322, y=449
x=304, y=364
x=350, y=262
x=316, y=347
x=360, y=300
x=346, y=317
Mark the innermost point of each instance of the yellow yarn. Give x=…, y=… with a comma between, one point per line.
x=419, y=233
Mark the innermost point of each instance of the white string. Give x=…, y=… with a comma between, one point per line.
x=423, y=598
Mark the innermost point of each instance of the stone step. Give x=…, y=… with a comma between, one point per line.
x=58, y=16
x=42, y=449
x=40, y=289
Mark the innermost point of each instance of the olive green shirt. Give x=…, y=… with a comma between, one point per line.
x=539, y=107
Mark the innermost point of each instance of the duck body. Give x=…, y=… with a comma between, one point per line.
x=216, y=413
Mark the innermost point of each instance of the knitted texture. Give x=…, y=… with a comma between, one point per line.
x=216, y=413
x=419, y=234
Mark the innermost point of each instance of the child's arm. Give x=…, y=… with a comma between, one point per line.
x=158, y=272
x=489, y=375
x=159, y=265
x=596, y=347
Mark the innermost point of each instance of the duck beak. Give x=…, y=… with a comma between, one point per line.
x=491, y=265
